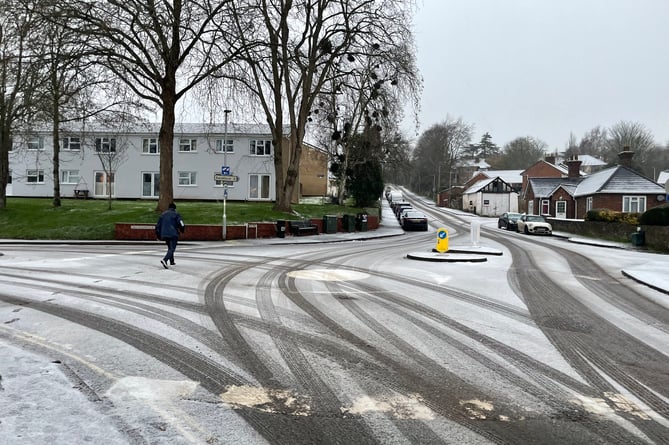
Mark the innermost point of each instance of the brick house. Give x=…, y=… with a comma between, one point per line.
x=617, y=188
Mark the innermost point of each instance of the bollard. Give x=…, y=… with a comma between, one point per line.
x=442, y=240
x=475, y=232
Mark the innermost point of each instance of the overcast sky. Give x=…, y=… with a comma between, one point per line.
x=544, y=68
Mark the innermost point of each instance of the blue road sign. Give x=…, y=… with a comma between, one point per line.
x=225, y=170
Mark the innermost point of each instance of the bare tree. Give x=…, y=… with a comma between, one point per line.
x=633, y=136
x=75, y=86
x=305, y=47
x=437, y=151
x=19, y=79
x=594, y=142
x=160, y=49
x=520, y=153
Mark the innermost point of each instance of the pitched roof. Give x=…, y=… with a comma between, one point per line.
x=508, y=176
x=561, y=168
x=479, y=185
x=545, y=187
x=663, y=177
x=617, y=180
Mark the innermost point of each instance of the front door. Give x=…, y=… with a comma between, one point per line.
x=561, y=209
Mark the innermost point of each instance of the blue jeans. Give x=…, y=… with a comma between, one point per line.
x=171, y=247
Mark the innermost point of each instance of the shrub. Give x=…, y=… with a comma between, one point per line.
x=657, y=216
x=608, y=215
x=604, y=215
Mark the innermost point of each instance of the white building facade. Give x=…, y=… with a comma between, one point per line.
x=131, y=159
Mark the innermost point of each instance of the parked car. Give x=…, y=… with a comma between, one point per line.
x=413, y=220
x=508, y=221
x=401, y=207
x=535, y=224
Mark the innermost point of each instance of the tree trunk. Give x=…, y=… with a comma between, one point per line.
x=5, y=145
x=56, y=156
x=166, y=143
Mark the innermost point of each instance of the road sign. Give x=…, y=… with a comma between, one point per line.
x=225, y=170
x=227, y=178
x=442, y=240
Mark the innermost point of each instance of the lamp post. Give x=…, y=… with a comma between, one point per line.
x=225, y=183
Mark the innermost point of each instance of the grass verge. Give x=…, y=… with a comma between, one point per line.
x=37, y=218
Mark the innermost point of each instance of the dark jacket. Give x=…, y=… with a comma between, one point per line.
x=169, y=225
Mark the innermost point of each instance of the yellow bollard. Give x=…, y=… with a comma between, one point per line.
x=442, y=240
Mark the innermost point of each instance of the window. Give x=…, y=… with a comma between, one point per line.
x=105, y=145
x=35, y=143
x=187, y=178
x=261, y=147
x=71, y=144
x=187, y=145
x=150, y=146
x=9, y=178
x=259, y=186
x=102, y=185
x=588, y=203
x=69, y=176
x=35, y=176
x=228, y=144
x=545, y=207
x=634, y=204
x=150, y=185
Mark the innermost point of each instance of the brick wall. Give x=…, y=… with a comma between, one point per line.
x=657, y=237
x=204, y=232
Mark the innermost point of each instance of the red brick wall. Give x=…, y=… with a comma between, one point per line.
x=204, y=232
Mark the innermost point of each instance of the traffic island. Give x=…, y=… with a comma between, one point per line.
x=447, y=257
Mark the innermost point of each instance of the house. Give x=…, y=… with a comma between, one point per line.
x=545, y=168
x=490, y=197
x=663, y=177
x=131, y=159
x=617, y=188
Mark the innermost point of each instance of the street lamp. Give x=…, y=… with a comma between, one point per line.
x=225, y=183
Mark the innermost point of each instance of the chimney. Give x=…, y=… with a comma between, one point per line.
x=574, y=166
x=625, y=157
x=550, y=159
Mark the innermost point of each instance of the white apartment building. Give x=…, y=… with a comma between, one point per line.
x=200, y=152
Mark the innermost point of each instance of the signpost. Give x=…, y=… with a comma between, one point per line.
x=225, y=171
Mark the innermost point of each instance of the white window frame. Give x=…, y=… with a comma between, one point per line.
x=545, y=205
x=105, y=144
x=229, y=145
x=35, y=176
x=187, y=145
x=260, y=147
x=634, y=201
x=101, y=185
x=256, y=191
x=150, y=146
x=35, y=143
x=71, y=143
x=154, y=184
x=69, y=177
x=588, y=203
x=187, y=178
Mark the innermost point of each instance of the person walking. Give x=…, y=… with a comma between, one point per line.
x=168, y=227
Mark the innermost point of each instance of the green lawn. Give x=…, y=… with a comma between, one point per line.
x=37, y=218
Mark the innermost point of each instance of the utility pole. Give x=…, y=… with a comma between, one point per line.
x=225, y=183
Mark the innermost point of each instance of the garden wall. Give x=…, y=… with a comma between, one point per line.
x=656, y=237
x=205, y=232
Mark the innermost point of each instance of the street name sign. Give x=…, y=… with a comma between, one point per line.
x=228, y=178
